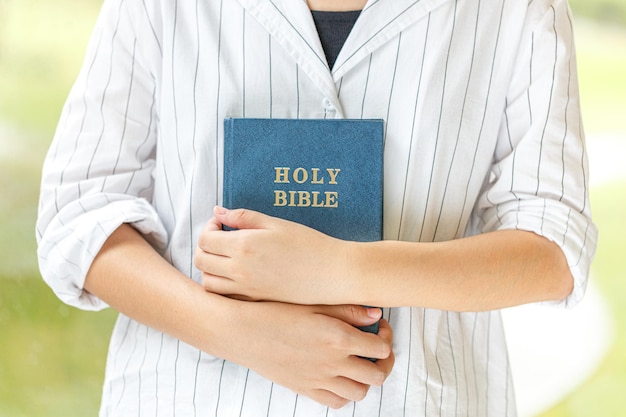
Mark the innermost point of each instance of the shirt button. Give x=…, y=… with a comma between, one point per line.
x=328, y=105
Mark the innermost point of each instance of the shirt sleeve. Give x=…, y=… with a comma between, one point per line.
x=540, y=177
x=98, y=171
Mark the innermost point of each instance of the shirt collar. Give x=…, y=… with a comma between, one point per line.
x=289, y=22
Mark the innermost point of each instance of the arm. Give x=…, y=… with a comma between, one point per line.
x=488, y=271
x=536, y=237
x=99, y=178
x=130, y=276
x=484, y=272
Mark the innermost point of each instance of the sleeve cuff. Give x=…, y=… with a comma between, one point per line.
x=78, y=232
x=573, y=231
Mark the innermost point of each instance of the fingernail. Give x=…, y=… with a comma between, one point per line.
x=219, y=210
x=374, y=312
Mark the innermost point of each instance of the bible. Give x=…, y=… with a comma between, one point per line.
x=324, y=173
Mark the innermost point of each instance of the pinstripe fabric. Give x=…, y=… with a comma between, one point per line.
x=483, y=132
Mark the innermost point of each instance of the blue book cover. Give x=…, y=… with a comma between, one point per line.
x=324, y=173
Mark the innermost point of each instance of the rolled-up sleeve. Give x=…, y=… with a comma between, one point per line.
x=540, y=177
x=98, y=171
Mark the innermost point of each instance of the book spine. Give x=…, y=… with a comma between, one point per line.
x=228, y=163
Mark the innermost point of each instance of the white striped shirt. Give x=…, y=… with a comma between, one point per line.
x=483, y=132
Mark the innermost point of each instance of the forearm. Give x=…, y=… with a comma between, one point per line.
x=484, y=272
x=274, y=339
x=133, y=278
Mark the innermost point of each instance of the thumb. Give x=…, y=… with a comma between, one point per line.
x=358, y=316
x=241, y=218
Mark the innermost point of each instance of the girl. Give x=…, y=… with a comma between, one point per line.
x=485, y=204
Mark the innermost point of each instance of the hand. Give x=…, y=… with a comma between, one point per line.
x=312, y=350
x=272, y=259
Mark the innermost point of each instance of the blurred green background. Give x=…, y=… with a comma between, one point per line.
x=52, y=356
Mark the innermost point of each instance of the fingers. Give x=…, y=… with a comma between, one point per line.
x=355, y=385
x=210, y=263
x=213, y=225
x=212, y=253
x=207, y=242
x=346, y=390
x=359, y=343
x=385, y=364
x=241, y=218
x=226, y=259
x=378, y=347
x=327, y=398
x=331, y=373
x=356, y=345
x=222, y=243
x=354, y=315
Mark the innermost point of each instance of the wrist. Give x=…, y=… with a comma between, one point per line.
x=388, y=273
x=354, y=276
x=217, y=320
